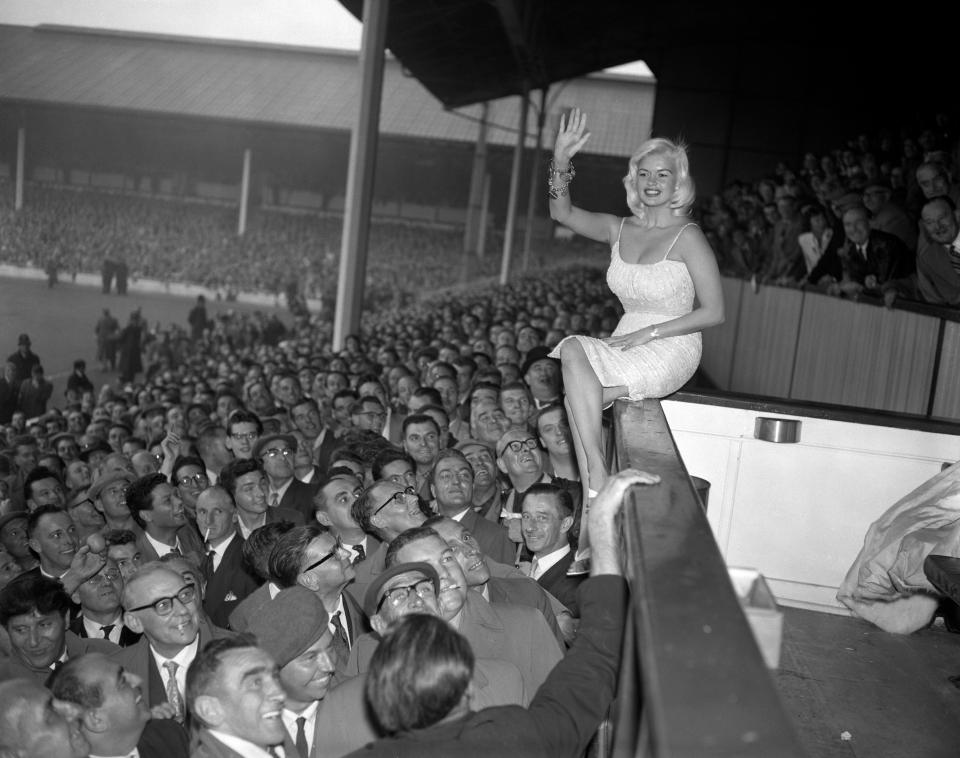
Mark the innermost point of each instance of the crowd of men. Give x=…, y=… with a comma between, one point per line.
x=275, y=549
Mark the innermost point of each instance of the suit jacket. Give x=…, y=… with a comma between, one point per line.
x=299, y=497
x=208, y=746
x=888, y=259
x=491, y=537
x=14, y=666
x=938, y=282
x=357, y=625
x=139, y=660
x=514, y=633
x=564, y=588
x=230, y=580
x=190, y=545
x=524, y=591
x=344, y=723
x=164, y=738
x=366, y=570
x=565, y=712
x=128, y=637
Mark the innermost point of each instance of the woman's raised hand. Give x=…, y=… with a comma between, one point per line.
x=572, y=136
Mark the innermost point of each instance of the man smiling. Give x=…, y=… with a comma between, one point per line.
x=235, y=695
x=158, y=511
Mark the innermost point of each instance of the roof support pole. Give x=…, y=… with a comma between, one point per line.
x=244, y=193
x=536, y=186
x=21, y=153
x=514, y=187
x=478, y=172
x=360, y=173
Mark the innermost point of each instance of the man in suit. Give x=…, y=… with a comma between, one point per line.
x=417, y=663
x=452, y=486
x=224, y=574
x=114, y=716
x=294, y=629
x=938, y=253
x=514, y=633
x=275, y=453
x=546, y=523
x=247, y=484
x=236, y=700
x=52, y=536
x=487, y=494
x=869, y=261
x=313, y=557
x=33, y=611
x=101, y=616
x=158, y=511
x=383, y=509
x=509, y=588
x=332, y=508
x=161, y=606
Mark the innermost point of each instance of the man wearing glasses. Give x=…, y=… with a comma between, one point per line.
x=520, y=457
x=276, y=454
x=313, y=557
x=405, y=588
x=161, y=606
x=243, y=430
x=190, y=479
x=384, y=509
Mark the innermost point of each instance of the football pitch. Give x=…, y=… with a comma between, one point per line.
x=61, y=320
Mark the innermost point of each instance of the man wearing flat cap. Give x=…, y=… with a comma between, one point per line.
x=293, y=629
x=487, y=490
x=109, y=495
x=276, y=454
x=542, y=375
x=405, y=588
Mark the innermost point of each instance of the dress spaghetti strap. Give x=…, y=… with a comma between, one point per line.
x=617, y=243
x=669, y=249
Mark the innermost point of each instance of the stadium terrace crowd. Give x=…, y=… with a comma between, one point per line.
x=252, y=501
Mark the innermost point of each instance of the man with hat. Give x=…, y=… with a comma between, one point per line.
x=93, y=453
x=542, y=375
x=23, y=359
x=406, y=588
x=65, y=445
x=109, y=495
x=276, y=452
x=487, y=492
x=293, y=629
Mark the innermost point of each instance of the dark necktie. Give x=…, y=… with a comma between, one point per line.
x=361, y=553
x=301, y=741
x=106, y=630
x=341, y=644
x=207, y=568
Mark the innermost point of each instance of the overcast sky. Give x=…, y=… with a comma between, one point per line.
x=311, y=23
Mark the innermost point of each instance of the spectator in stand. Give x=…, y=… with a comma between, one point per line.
x=786, y=262
x=886, y=215
x=938, y=253
x=23, y=359
x=107, y=330
x=35, y=392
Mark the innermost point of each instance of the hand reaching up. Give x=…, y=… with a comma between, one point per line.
x=572, y=136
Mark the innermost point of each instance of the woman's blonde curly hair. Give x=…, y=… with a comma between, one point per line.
x=685, y=192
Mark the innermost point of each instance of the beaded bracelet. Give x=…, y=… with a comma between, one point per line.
x=558, y=180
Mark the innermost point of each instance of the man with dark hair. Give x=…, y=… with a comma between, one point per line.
x=158, y=511
x=313, y=557
x=43, y=487
x=236, y=698
x=546, y=523
x=421, y=441
x=123, y=551
x=189, y=476
x=13, y=537
x=451, y=483
x=553, y=431
x=52, y=536
x=246, y=482
x=243, y=430
x=396, y=465
x=114, y=716
x=159, y=604
x=256, y=557
x=418, y=681
x=226, y=579
x=212, y=448
x=333, y=505
x=33, y=611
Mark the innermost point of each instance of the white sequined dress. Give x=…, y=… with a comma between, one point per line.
x=650, y=293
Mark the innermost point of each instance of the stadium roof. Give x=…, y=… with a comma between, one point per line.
x=274, y=85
